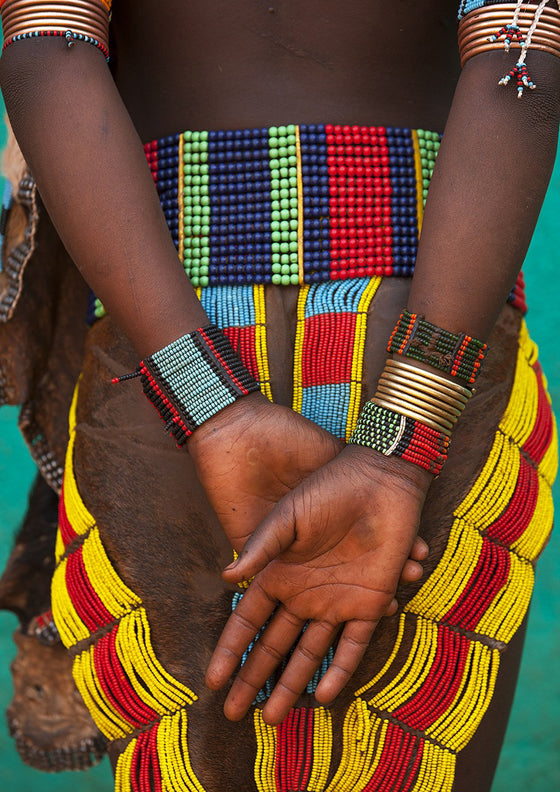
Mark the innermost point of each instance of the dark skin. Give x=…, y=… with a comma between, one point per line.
x=332, y=547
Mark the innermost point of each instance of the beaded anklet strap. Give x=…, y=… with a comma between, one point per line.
x=398, y=435
x=192, y=379
x=457, y=354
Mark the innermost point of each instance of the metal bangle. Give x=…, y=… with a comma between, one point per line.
x=431, y=411
x=411, y=414
x=393, y=378
x=450, y=412
x=422, y=375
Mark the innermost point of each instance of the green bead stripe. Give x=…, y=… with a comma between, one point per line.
x=284, y=204
x=196, y=207
x=428, y=143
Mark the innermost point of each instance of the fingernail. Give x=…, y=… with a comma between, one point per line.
x=231, y=566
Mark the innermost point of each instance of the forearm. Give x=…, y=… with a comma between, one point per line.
x=488, y=186
x=89, y=164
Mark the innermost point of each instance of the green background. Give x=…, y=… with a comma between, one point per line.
x=530, y=760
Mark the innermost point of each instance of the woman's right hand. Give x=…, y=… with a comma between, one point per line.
x=252, y=454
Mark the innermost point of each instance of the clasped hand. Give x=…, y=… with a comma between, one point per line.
x=326, y=530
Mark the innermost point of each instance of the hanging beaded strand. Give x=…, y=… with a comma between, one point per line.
x=483, y=24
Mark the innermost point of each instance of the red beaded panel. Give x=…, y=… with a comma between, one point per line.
x=329, y=345
x=360, y=201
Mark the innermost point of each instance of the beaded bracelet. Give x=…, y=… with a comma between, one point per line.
x=411, y=415
x=394, y=434
x=77, y=20
x=459, y=355
x=192, y=379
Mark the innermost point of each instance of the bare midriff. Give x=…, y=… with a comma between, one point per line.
x=230, y=64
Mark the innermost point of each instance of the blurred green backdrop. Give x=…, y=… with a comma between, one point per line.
x=530, y=759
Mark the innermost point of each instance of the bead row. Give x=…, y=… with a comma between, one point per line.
x=69, y=35
x=398, y=435
x=456, y=354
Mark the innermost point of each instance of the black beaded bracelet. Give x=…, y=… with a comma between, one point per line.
x=456, y=354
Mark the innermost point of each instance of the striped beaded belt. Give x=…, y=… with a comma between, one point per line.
x=293, y=205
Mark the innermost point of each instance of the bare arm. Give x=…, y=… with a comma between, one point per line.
x=89, y=164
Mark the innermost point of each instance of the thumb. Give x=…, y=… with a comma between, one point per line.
x=274, y=535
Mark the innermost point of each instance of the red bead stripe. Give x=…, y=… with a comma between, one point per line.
x=116, y=685
x=441, y=684
x=488, y=577
x=519, y=512
x=328, y=348
x=243, y=342
x=67, y=533
x=83, y=596
x=541, y=436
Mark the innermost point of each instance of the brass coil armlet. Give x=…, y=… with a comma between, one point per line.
x=74, y=20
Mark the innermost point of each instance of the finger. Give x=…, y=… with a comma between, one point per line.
x=411, y=572
x=306, y=659
x=274, y=535
x=241, y=628
x=351, y=647
x=269, y=651
x=420, y=550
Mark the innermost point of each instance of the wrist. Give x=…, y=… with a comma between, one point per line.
x=193, y=379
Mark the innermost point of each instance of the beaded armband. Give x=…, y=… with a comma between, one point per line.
x=457, y=354
x=192, y=379
x=78, y=20
x=526, y=24
x=411, y=415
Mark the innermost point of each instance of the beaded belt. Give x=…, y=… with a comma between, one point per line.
x=293, y=205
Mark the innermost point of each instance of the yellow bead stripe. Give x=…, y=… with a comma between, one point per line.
x=266, y=754
x=261, y=348
x=300, y=208
x=70, y=626
x=174, y=758
x=358, y=355
x=363, y=737
x=419, y=180
x=181, y=180
x=115, y=595
x=437, y=770
x=123, y=770
x=298, y=349
x=322, y=749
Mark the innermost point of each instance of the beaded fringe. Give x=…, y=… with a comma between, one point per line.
x=405, y=727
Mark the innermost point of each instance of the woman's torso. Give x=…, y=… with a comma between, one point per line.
x=227, y=65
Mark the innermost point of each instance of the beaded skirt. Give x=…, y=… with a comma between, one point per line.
x=296, y=204
x=410, y=712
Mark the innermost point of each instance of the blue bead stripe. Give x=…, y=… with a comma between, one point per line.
x=404, y=219
x=239, y=190
x=316, y=204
